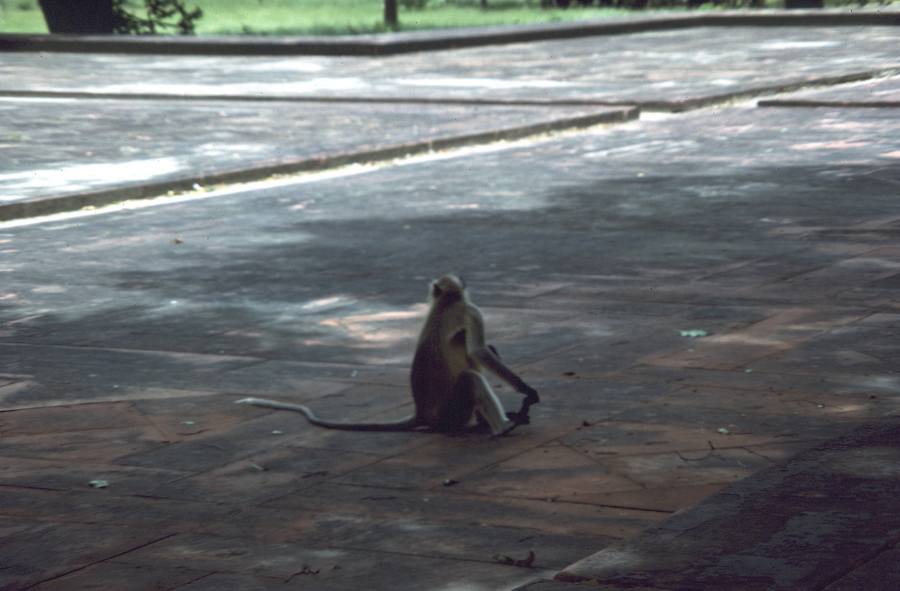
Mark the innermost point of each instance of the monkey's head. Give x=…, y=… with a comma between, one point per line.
x=448, y=288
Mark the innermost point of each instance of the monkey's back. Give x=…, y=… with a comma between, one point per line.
x=440, y=358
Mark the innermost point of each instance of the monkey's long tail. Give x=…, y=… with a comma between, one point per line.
x=407, y=424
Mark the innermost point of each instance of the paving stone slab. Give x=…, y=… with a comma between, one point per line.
x=55, y=549
x=558, y=586
x=643, y=148
x=309, y=568
x=689, y=468
x=802, y=524
x=661, y=500
x=694, y=442
x=97, y=374
x=263, y=476
x=55, y=147
x=551, y=471
x=64, y=420
x=818, y=404
x=77, y=475
x=881, y=573
x=86, y=446
x=802, y=386
x=474, y=542
x=618, y=236
x=659, y=67
x=447, y=459
x=218, y=447
x=880, y=92
x=107, y=575
x=618, y=70
x=105, y=506
x=739, y=348
x=765, y=427
x=827, y=353
x=445, y=505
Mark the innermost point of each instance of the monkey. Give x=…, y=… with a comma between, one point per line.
x=447, y=374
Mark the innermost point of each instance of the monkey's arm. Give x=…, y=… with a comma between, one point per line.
x=490, y=360
x=480, y=351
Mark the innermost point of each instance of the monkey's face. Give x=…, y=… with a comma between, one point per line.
x=448, y=284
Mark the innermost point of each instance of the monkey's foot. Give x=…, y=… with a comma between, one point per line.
x=519, y=418
x=509, y=426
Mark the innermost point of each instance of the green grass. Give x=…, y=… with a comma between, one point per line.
x=336, y=17
x=330, y=17
x=21, y=16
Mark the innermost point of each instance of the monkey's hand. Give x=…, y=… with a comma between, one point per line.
x=531, y=397
x=521, y=417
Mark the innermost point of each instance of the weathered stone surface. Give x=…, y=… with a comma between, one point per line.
x=797, y=525
x=654, y=65
x=444, y=505
x=308, y=568
x=883, y=92
x=170, y=140
x=126, y=335
x=53, y=549
x=109, y=575
x=559, y=586
x=881, y=573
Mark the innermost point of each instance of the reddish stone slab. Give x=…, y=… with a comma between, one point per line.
x=71, y=418
x=264, y=475
x=317, y=568
x=550, y=471
x=801, y=524
x=110, y=575
x=54, y=549
x=882, y=573
x=558, y=517
x=77, y=475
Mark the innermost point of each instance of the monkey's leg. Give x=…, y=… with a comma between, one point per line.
x=486, y=402
x=451, y=411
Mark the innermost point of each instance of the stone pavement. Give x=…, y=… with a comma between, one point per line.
x=186, y=120
x=767, y=233
x=824, y=520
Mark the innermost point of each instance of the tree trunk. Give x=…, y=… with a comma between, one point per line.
x=79, y=16
x=390, y=13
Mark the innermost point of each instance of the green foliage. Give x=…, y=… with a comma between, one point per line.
x=158, y=16
x=414, y=4
x=350, y=17
x=643, y=4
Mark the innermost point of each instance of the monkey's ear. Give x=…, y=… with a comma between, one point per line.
x=436, y=290
x=462, y=281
